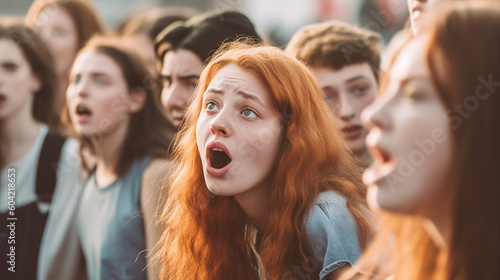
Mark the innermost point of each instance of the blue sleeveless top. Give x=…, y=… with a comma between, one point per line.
x=111, y=226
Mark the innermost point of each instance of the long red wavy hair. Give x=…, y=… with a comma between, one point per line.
x=205, y=236
x=463, y=50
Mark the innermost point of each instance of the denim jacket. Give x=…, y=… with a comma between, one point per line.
x=332, y=233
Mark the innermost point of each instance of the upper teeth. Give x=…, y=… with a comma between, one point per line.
x=217, y=150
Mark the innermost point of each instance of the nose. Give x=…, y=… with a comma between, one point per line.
x=175, y=96
x=80, y=89
x=377, y=114
x=221, y=125
x=46, y=34
x=346, y=109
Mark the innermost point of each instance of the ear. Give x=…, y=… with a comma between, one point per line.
x=137, y=100
x=36, y=84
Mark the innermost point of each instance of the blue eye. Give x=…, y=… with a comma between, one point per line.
x=249, y=113
x=101, y=81
x=415, y=96
x=211, y=106
x=360, y=90
x=192, y=86
x=331, y=99
x=76, y=80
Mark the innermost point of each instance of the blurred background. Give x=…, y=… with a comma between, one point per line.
x=275, y=19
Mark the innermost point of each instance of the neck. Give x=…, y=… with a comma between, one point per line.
x=439, y=224
x=254, y=205
x=109, y=150
x=438, y=234
x=18, y=133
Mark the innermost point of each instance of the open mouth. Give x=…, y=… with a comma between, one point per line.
x=3, y=98
x=382, y=155
x=416, y=11
x=218, y=158
x=82, y=110
x=383, y=165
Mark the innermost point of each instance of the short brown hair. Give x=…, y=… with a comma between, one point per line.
x=336, y=44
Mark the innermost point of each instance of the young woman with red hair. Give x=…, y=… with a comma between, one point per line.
x=434, y=136
x=263, y=186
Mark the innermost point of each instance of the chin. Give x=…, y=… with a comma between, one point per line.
x=216, y=190
x=372, y=198
x=357, y=146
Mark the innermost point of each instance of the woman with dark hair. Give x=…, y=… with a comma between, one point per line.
x=114, y=114
x=141, y=29
x=40, y=179
x=434, y=136
x=65, y=25
x=263, y=185
x=183, y=48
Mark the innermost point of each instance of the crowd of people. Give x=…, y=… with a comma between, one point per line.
x=184, y=145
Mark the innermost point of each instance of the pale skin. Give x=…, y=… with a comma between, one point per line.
x=347, y=91
x=96, y=81
x=239, y=115
x=337, y=272
x=15, y=142
x=150, y=193
x=150, y=187
x=418, y=10
x=407, y=114
x=180, y=72
x=59, y=31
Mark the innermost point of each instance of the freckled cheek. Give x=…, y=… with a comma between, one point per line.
x=261, y=143
x=202, y=134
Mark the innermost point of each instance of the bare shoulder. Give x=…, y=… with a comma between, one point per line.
x=155, y=172
x=152, y=181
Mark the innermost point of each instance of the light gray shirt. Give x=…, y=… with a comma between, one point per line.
x=111, y=226
x=60, y=255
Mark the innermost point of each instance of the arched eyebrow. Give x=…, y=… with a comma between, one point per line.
x=239, y=92
x=189, y=77
x=356, y=78
x=250, y=96
x=215, y=91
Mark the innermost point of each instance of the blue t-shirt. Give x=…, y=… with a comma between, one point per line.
x=332, y=233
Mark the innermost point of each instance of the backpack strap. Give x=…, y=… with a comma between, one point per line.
x=46, y=172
